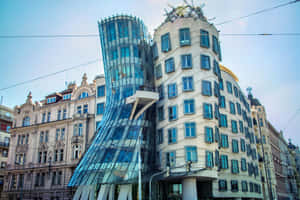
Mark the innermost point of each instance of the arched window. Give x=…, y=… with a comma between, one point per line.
x=83, y=95
x=76, y=151
x=26, y=121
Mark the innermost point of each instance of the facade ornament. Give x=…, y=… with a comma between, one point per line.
x=84, y=79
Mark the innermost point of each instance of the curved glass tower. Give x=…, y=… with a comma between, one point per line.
x=113, y=156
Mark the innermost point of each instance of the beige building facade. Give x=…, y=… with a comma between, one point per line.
x=100, y=99
x=47, y=140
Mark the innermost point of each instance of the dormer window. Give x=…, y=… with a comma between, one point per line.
x=51, y=100
x=26, y=121
x=67, y=96
x=83, y=95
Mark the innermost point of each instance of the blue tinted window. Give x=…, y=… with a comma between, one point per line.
x=114, y=54
x=243, y=146
x=172, y=90
x=135, y=30
x=216, y=89
x=209, y=135
x=241, y=126
x=125, y=52
x=109, y=155
x=223, y=120
x=236, y=92
x=125, y=156
x=234, y=126
x=232, y=107
x=238, y=107
x=123, y=28
x=111, y=31
x=209, y=161
x=235, y=146
x=204, y=38
x=229, y=87
x=170, y=158
x=206, y=88
x=154, y=51
x=136, y=52
x=165, y=43
x=222, y=185
x=222, y=102
x=217, y=69
x=234, y=166
x=160, y=134
x=224, y=161
x=160, y=90
x=158, y=72
x=100, y=108
x=191, y=154
x=215, y=45
x=186, y=61
x=184, y=36
x=187, y=83
x=169, y=65
x=118, y=133
x=172, y=113
x=221, y=85
x=189, y=106
x=244, y=186
x=207, y=111
x=205, y=62
x=101, y=91
x=243, y=164
x=224, y=141
x=190, y=129
x=172, y=135
x=160, y=113
x=133, y=132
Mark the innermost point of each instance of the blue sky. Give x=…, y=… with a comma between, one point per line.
x=268, y=64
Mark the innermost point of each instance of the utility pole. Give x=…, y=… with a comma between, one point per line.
x=140, y=167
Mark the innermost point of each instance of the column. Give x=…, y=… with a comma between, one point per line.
x=189, y=187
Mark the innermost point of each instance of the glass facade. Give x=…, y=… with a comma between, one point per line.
x=113, y=154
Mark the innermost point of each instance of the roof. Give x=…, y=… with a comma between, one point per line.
x=225, y=69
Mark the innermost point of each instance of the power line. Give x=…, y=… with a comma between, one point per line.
x=48, y=36
x=258, y=12
x=50, y=74
x=260, y=34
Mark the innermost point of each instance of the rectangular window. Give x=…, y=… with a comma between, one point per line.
x=160, y=112
x=232, y=107
x=48, y=116
x=100, y=108
x=101, y=91
x=216, y=69
x=234, y=128
x=204, y=38
x=125, y=52
x=61, y=155
x=170, y=158
x=221, y=85
x=187, y=83
x=79, y=110
x=234, y=186
x=207, y=111
x=209, y=159
x=189, y=106
x=114, y=54
x=241, y=126
x=234, y=166
x=206, y=88
x=243, y=164
x=165, y=43
x=123, y=28
x=244, y=186
x=216, y=89
x=191, y=154
x=243, y=146
x=57, y=134
x=190, y=129
x=85, y=109
x=235, y=146
x=184, y=37
x=172, y=90
x=43, y=117
x=169, y=65
x=205, y=62
x=172, y=113
x=65, y=114
x=215, y=45
x=172, y=135
x=236, y=92
x=222, y=185
x=217, y=134
x=158, y=72
x=58, y=114
x=224, y=141
x=160, y=134
x=222, y=102
x=229, y=87
x=160, y=90
x=186, y=61
x=224, y=162
x=238, y=107
x=154, y=51
x=209, y=135
x=111, y=31
x=223, y=120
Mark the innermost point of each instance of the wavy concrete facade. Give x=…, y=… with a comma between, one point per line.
x=113, y=155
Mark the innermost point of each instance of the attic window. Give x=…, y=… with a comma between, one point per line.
x=51, y=100
x=83, y=95
x=67, y=96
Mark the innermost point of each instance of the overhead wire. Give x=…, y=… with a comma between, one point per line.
x=51, y=74
x=257, y=12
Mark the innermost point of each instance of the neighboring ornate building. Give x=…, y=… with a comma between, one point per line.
x=6, y=119
x=47, y=141
x=286, y=185
x=264, y=148
x=100, y=98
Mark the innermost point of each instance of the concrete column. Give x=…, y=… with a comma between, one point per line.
x=189, y=189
